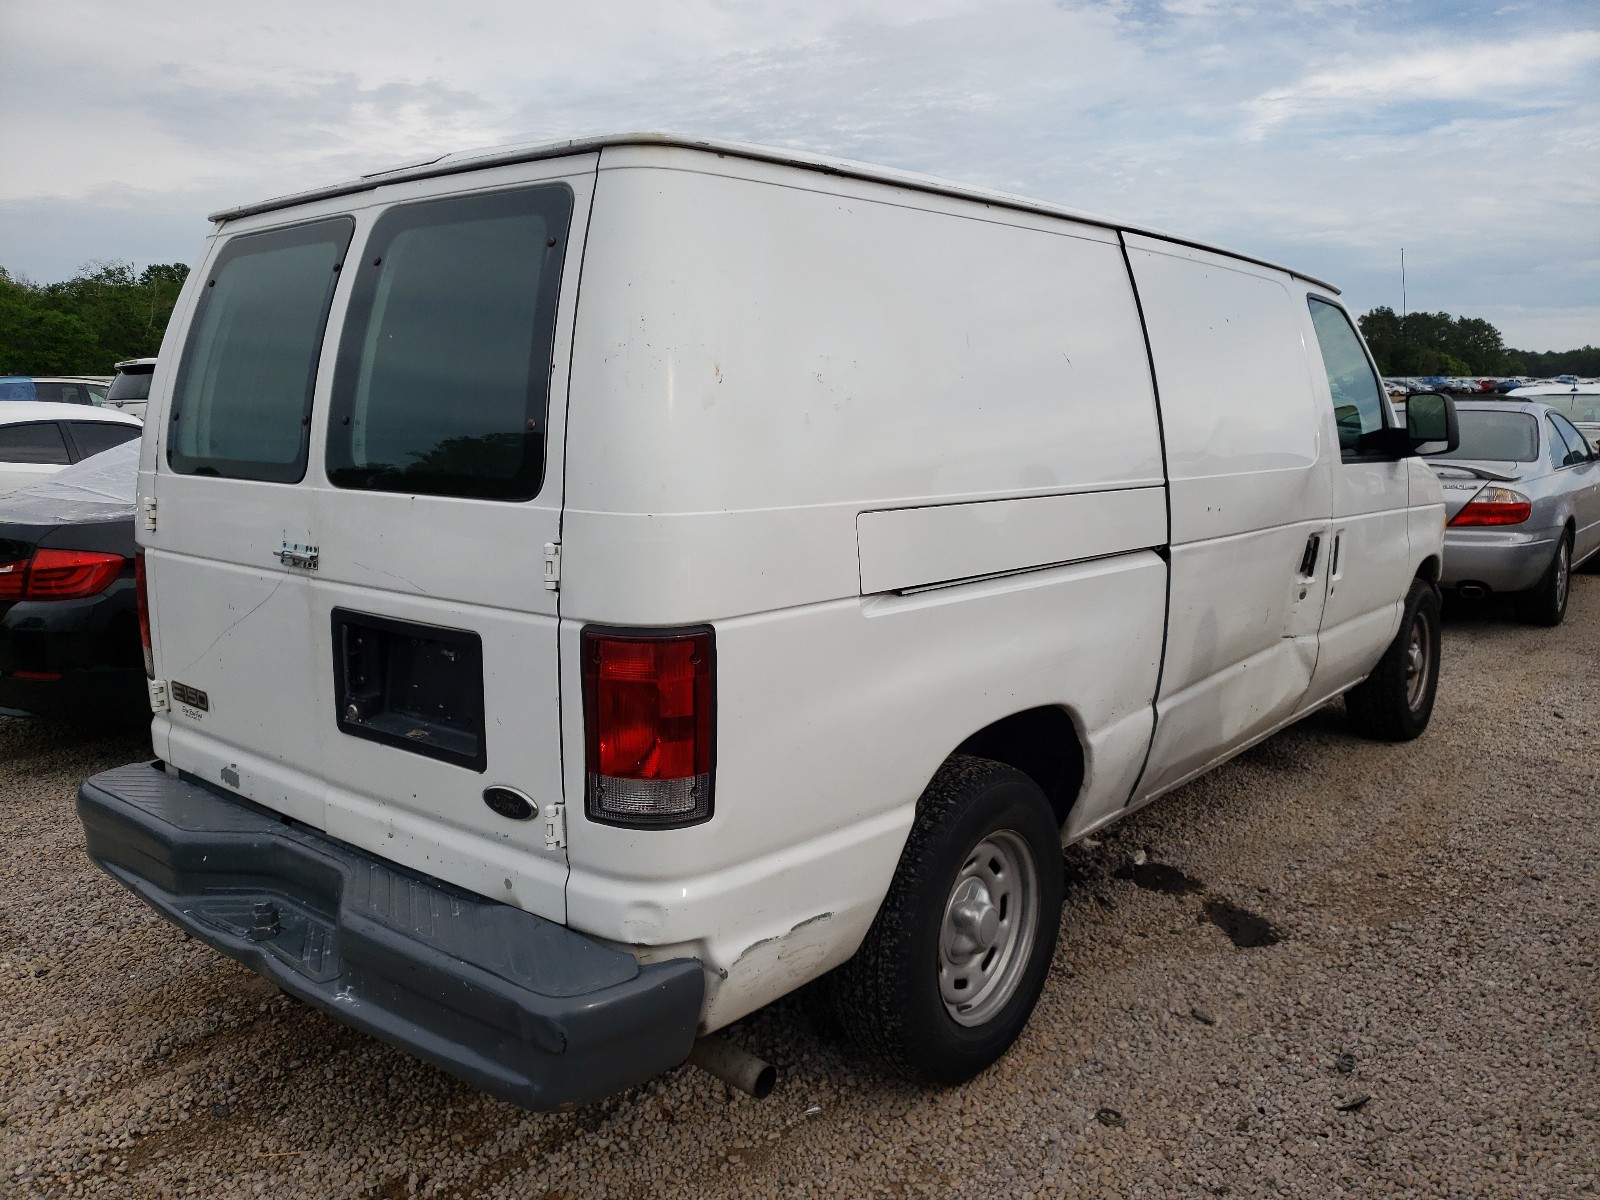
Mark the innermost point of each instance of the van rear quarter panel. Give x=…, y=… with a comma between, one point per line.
x=761, y=356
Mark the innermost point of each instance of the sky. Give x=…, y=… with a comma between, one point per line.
x=1325, y=135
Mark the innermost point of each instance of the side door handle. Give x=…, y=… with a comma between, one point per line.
x=1308, y=560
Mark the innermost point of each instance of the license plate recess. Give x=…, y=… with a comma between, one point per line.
x=416, y=687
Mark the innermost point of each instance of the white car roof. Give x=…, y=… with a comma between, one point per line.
x=15, y=412
x=472, y=160
x=1556, y=389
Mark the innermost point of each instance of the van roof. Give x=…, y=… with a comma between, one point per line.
x=472, y=160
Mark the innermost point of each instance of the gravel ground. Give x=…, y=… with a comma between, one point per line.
x=1424, y=1023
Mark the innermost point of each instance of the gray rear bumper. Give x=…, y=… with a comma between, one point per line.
x=1503, y=560
x=516, y=1005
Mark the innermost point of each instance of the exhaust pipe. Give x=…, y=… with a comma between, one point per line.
x=1472, y=591
x=735, y=1067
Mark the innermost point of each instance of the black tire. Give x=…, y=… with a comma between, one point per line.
x=1546, y=604
x=889, y=996
x=1394, y=703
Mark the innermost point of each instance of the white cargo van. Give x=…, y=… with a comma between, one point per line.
x=595, y=588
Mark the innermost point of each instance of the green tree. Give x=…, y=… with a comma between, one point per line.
x=84, y=325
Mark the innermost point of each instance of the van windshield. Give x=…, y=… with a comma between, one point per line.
x=443, y=380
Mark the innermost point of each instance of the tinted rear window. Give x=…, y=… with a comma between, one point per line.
x=38, y=442
x=132, y=384
x=94, y=436
x=443, y=379
x=242, y=399
x=1495, y=437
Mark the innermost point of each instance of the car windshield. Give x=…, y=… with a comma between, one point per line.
x=1495, y=437
x=132, y=384
x=1583, y=407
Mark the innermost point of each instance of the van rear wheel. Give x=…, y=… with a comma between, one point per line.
x=1394, y=703
x=956, y=958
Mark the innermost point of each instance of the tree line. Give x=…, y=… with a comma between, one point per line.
x=1424, y=343
x=107, y=312
x=104, y=314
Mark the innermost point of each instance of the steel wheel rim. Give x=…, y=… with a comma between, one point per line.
x=988, y=929
x=1563, y=575
x=1419, y=656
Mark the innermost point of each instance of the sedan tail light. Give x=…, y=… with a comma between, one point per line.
x=1494, y=506
x=647, y=701
x=59, y=575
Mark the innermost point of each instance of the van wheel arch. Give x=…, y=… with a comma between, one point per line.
x=1432, y=569
x=1045, y=744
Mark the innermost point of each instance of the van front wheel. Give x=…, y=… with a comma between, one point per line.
x=1394, y=703
x=956, y=958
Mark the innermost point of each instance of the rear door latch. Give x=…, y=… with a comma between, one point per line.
x=294, y=554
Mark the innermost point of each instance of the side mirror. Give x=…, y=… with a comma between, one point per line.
x=1431, y=425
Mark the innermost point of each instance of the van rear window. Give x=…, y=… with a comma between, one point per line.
x=242, y=400
x=443, y=380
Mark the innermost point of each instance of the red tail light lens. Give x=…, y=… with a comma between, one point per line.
x=1495, y=506
x=142, y=590
x=59, y=575
x=648, y=727
x=71, y=574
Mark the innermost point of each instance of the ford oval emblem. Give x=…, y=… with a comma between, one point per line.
x=508, y=803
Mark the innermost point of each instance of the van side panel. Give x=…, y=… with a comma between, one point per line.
x=776, y=342
x=764, y=361
x=1250, y=487
x=831, y=720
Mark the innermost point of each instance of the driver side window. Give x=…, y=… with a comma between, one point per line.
x=1357, y=395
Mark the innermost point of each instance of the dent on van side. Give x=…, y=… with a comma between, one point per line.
x=595, y=589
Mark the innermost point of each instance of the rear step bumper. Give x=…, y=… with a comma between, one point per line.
x=516, y=1005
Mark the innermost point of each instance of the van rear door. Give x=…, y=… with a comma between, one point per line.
x=359, y=472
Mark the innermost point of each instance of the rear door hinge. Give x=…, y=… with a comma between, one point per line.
x=149, y=507
x=555, y=826
x=552, y=566
x=160, y=702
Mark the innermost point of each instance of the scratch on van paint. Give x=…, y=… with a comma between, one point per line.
x=231, y=627
x=756, y=945
x=379, y=570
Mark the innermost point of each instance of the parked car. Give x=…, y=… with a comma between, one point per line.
x=37, y=439
x=54, y=389
x=871, y=573
x=1578, y=402
x=130, y=390
x=1522, y=495
x=69, y=618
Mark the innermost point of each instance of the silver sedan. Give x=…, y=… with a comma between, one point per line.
x=1522, y=501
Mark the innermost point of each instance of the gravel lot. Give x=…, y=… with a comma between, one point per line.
x=1437, y=909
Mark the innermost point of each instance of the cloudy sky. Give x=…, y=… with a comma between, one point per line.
x=1327, y=134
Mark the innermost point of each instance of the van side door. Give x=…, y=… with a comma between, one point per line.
x=1250, y=502
x=1370, y=565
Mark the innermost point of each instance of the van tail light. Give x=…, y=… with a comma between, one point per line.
x=59, y=575
x=142, y=590
x=1494, y=506
x=648, y=727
